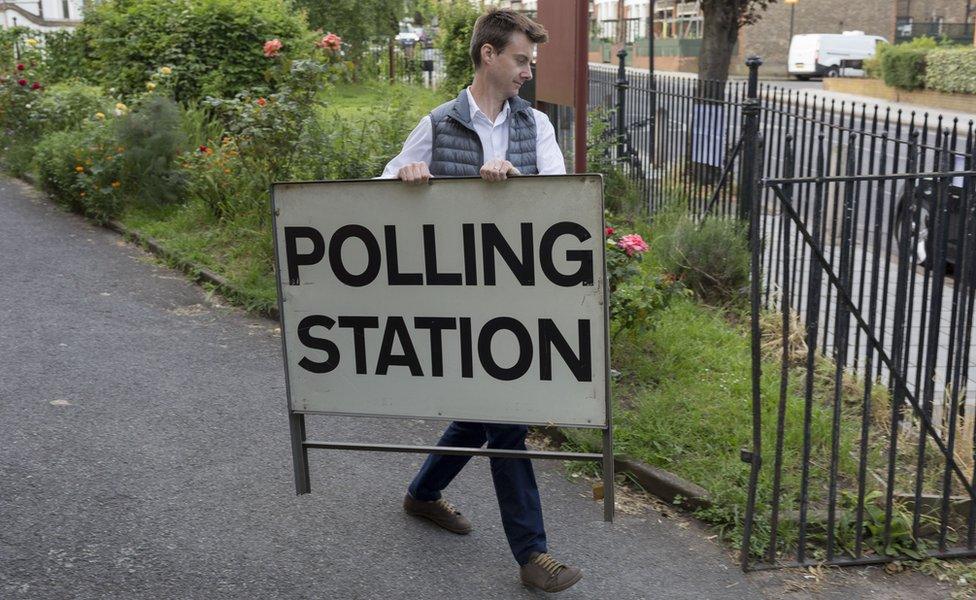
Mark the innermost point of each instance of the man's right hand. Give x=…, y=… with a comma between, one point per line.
x=414, y=173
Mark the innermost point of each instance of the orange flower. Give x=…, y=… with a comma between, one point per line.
x=262, y=101
x=79, y=168
x=116, y=184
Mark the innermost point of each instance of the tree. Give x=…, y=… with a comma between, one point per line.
x=723, y=19
x=356, y=21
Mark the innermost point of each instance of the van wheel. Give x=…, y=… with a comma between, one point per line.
x=833, y=72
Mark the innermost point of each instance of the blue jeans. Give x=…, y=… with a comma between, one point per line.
x=515, y=486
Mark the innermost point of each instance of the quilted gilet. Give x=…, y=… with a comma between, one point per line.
x=457, y=150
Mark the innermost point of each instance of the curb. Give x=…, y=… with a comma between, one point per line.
x=663, y=484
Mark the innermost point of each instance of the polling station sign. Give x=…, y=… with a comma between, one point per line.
x=460, y=299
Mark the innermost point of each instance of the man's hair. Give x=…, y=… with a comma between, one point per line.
x=496, y=27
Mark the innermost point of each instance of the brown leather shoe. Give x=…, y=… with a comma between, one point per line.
x=440, y=512
x=548, y=574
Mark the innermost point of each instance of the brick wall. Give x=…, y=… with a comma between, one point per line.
x=769, y=38
x=953, y=11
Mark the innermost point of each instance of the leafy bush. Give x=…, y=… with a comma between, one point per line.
x=340, y=148
x=11, y=40
x=951, y=70
x=270, y=130
x=223, y=182
x=903, y=65
x=151, y=138
x=66, y=56
x=67, y=105
x=711, y=258
x=79, y=168
x=19, y=92
x=621, y=195
x=457, y=19
x=215, y=47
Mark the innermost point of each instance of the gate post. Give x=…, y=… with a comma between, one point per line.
x=750, y=133
x=621, y=99
x=749, y=185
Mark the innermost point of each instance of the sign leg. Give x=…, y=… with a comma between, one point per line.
x=299, y=453
x=608, y=502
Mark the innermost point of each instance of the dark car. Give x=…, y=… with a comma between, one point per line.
x=926, y=191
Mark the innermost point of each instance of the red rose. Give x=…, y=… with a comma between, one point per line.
x=203, y=148
x=20, y=67
x=22, y=82
x=608, y=231
x=35, y=86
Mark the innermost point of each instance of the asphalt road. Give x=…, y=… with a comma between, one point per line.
x=144, y=453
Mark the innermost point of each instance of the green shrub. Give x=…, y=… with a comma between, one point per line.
x=215, y=47
x=270, y=130
x=457, y=19
x=951, y=70
x=11, y=40
x=711, y=258
x=620, y=193
x=341, y=148
x=228, y=188
x=903, y=65
x=79, y=168
x=151, y=139
x=67, y=105
x=66, y=56
x=19, y=92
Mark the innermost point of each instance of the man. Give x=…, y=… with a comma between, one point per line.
x=489, y=131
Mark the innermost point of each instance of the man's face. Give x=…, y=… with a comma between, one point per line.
x=508, y=70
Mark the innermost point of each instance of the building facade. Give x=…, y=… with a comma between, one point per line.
x=41, y=15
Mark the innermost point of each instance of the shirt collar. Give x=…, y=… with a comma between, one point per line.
x=473, y=108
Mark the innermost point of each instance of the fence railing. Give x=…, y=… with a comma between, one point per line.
x=863, y=222
x=961, y=33
x=418, y=63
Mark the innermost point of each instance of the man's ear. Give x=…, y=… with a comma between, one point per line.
x=488, y=53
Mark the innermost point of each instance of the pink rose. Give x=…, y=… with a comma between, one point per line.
x=632, y=243
x=330, y=42
x=272, y=47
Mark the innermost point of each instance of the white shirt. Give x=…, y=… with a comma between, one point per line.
x=494, y=141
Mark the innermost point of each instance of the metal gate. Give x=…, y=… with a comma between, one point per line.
x=863, y=445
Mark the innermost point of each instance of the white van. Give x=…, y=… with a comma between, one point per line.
x=820, y=54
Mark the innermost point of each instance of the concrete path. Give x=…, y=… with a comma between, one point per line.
x=144, y=453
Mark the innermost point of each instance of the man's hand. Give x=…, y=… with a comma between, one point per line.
x=414, y=173
x=498, y=170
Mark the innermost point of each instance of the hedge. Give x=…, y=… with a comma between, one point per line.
x=903, y=66
x=951, y=70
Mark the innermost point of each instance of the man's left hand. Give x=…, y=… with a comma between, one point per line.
x=498, y=170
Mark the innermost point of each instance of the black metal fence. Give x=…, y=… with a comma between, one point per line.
x=960, y=33
x=864, y=276
x=416, y=63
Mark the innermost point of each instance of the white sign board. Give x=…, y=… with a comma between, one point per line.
x=461, y=299
x=708, y=135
